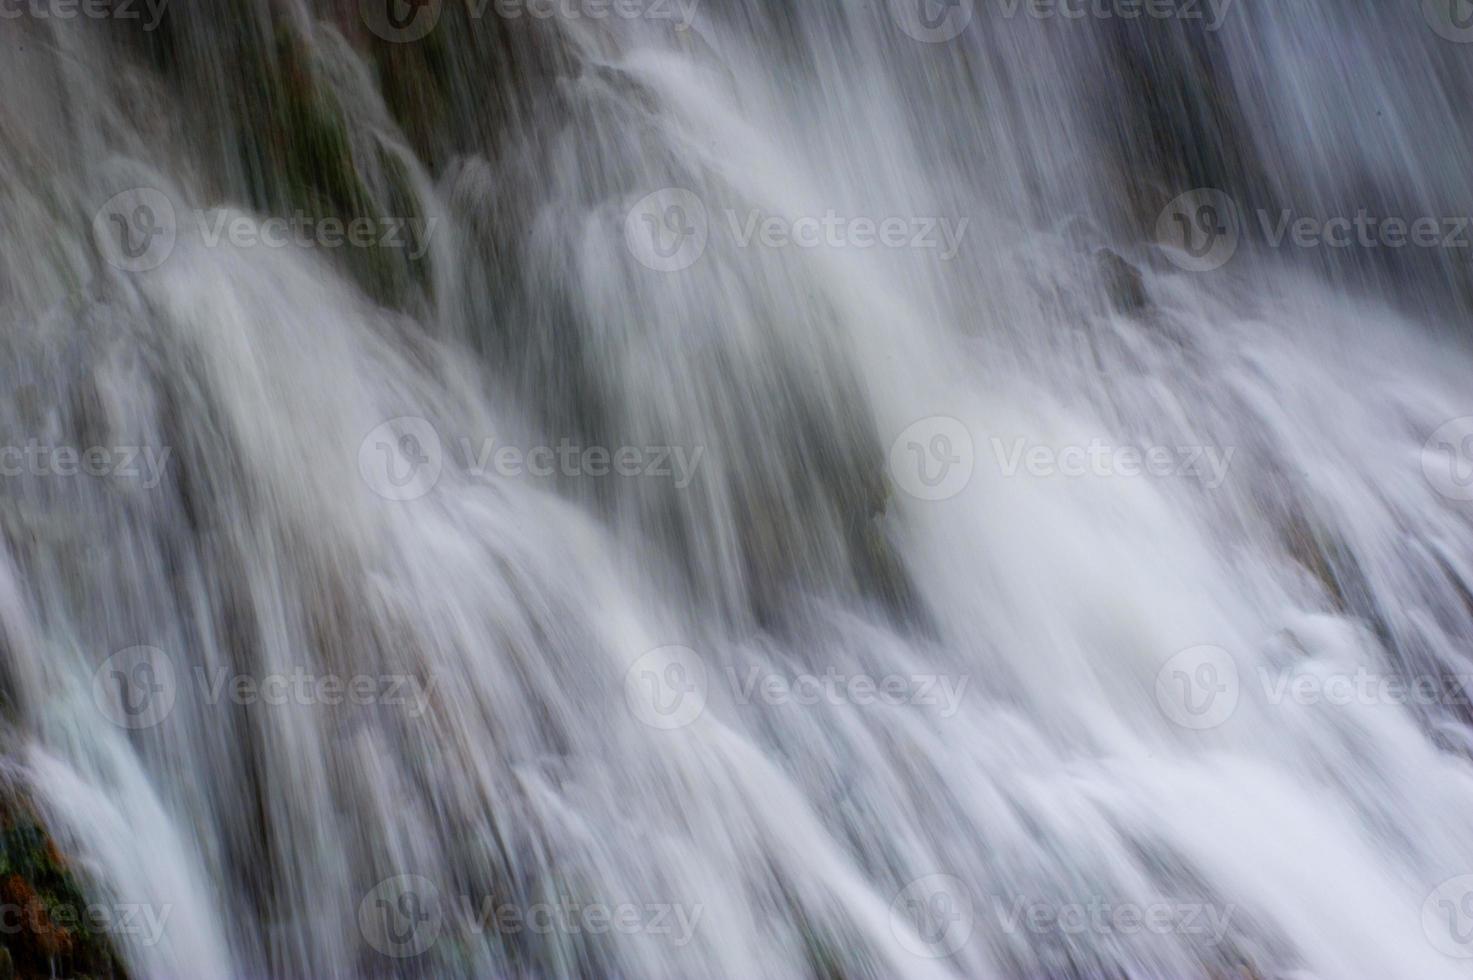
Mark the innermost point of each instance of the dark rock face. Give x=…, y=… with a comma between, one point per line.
x=48, y=931
x=1123, y=282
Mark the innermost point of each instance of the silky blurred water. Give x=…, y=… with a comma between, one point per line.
x=735, y=489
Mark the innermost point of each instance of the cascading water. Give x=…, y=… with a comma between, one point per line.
x=737, y=489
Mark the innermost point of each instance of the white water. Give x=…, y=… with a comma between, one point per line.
x=786, y=835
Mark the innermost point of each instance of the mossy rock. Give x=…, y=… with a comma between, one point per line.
x=46, y=930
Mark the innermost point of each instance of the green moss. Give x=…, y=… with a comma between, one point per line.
x=48, y=933
x=299, y=156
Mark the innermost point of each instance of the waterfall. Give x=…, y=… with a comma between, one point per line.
x=736, y=488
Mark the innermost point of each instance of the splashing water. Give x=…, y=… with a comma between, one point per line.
x=852, y=489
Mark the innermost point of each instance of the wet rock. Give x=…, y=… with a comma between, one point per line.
x=48, y=932
x=1123, y=282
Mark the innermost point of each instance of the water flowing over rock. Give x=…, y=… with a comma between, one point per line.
x=736, y=488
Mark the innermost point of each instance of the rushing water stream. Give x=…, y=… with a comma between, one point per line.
x=742, y=488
